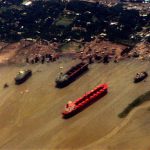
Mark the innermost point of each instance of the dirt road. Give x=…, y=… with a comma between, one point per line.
x=30, y=114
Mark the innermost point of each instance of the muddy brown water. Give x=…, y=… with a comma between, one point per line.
x=30, y=114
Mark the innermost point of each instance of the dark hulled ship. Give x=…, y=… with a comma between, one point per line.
x=140, y=76
x=66, y=78
x=22, y=76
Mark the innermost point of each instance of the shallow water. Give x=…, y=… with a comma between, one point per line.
x=30, y=114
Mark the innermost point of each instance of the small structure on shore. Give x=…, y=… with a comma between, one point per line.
x=106, y=59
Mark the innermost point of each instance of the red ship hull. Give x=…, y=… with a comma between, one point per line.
x=86, y=100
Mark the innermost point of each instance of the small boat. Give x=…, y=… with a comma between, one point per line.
x=22, y=76
x=66, y=78
x=79, y=104
x=140, y=76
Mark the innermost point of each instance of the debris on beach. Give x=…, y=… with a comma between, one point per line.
x=5, y=85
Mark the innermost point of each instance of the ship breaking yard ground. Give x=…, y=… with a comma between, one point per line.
x=33, y=120
x=19, y=51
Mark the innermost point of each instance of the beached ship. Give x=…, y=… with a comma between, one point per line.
x=66, y=78
x=22, y=76
x=140, y=76
x=79, y=104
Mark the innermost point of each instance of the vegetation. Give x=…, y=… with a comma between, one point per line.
x=71, y=46
x=79, y=21
x=138, y=101
x=64, y=21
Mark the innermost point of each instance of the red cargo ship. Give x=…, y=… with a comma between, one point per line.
x=79, y=104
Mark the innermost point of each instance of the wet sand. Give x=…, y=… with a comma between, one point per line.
x=32, y=120
x=132, y=134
